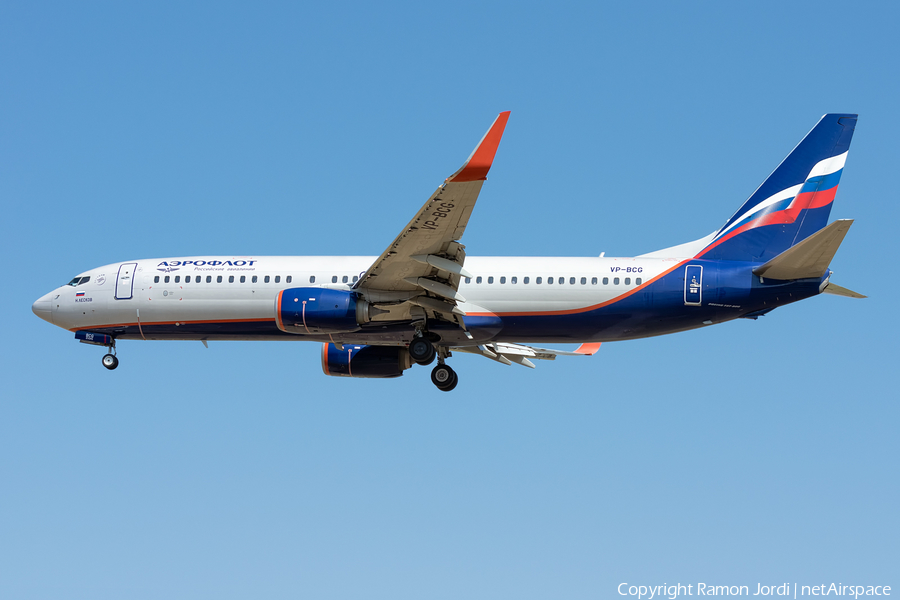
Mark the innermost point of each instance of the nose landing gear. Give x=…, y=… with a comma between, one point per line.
x=110, y=361
x=101, y=339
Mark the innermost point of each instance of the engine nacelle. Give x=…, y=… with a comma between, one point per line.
x=365, y=361
x=320, y=310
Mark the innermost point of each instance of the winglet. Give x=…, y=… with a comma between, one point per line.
x=481, y=159
x=588, y=349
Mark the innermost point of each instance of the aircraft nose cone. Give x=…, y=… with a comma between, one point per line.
x=43, y=307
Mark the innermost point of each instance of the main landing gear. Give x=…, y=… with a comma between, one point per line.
x=444, y=377
x=423, y=352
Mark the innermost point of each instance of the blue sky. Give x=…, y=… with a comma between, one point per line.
x=751, y=452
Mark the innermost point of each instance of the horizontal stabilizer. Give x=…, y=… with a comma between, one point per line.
x=837, y=290
x=809, y=258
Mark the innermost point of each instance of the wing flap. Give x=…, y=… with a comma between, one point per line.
x=520, y=354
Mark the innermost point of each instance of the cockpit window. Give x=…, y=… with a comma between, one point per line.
x=79, y=281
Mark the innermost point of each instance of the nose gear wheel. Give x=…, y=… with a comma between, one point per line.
x=110, y=361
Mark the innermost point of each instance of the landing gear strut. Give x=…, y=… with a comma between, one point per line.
x=109, y=360
x=444, y=377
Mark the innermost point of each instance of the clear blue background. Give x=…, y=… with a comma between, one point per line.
x=750, y=452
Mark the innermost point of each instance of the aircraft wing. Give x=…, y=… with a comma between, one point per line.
x=426, y=256
x=508, y=354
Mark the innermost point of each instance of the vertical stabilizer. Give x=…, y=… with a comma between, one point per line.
x=793, y=202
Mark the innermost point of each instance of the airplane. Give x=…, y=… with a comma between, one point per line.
x=424, y=299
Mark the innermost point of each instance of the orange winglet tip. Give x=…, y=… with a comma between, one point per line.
x=588, y=349
x=479, y=163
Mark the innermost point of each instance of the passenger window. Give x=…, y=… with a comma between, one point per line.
x=177, y=278
x=615, y=281
x=231, y=279
x=288, y=278
x=355, y=278
x=584, y=281
x=468, y=280
x=491, y=279
x=537, y=281
x=593, y=281
x=278, y=279
x=334, y=279
x=155, y=280
x=503, y=280
x=571, y=281
x=637, y=281
x=478, y=279
x=562, y=280
x=549, y=280
x=166, y=280
x=209, y=279
x=219, y=279
x=606, y=281
x=266, y=280
x=254, y=279
x=628, y=281
x=187, y=278
x=243, y=279
x=344, y=279
x=525, y=280
x=312, y=278
x=514, y=280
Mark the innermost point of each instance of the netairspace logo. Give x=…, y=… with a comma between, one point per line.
x=649, y=592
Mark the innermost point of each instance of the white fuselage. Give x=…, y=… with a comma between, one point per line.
x=224, y=290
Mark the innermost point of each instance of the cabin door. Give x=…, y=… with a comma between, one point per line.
x=125, y=281
x=693, y=285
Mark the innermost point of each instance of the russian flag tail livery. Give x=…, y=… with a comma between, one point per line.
x=794, y=202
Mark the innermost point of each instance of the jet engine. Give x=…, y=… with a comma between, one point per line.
x=320, y=310
x=365, y=361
